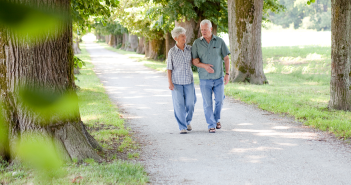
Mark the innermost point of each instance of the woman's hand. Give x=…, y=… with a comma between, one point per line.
x=171, y=86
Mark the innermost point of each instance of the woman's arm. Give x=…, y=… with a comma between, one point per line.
x=169, y=74
x=208, y=67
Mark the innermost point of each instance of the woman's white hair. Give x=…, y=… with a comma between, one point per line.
x=177, y=31
x=205, y=21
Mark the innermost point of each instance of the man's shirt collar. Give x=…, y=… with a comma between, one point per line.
x=213, y=37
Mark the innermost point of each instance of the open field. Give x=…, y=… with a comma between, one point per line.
x=106, y=125
x=299, y=78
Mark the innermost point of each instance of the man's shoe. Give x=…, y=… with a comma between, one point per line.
x=189, y=128
x=183, y=131
x=219, y=126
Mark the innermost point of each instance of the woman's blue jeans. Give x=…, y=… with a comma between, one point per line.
x=207, y=88
x=184, y=99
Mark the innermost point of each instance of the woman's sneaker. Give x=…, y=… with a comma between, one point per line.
x=183, y=131
x=189, y=128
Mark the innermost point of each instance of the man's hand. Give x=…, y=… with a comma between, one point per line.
x=226, y=79
x=171, y=86
x=209, y=68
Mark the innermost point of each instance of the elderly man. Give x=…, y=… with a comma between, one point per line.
x=180, y=79
x=208, y=52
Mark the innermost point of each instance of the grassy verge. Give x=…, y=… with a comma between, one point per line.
x=299, y=80
x=106, y=125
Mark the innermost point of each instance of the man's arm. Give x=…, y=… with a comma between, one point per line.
x=208, y=67
x=227, y=65
x=169, y=74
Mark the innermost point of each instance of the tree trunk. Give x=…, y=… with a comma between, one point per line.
x=112, y=40
x=141, y=49
x=125, y=42
x=133, y=43
x=76, y=48
x=48, y=64
x=147, y=48
x=119, y=39
x=245, y=20
x=170, y=42
x=107, y=39
x=340, y=95
x=156, y=49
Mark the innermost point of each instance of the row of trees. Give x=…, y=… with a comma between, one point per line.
x=152, y=22
x=45, y=61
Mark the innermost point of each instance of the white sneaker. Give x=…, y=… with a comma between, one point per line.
x=183, y=131
x=189, y=128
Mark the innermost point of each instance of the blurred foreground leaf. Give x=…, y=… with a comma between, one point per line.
x=38, y=151
x=50, y=105
x=29, y=21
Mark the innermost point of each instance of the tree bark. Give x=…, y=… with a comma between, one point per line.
x=76, y=48
x=48, y=64
x=141, y=49
x=119, y=39
x=112, y=40
x=125, y=41
x=340, y=94
x=156, y=49
x=245, y=21
x=133, y=40
x=170, y=42
x=146, y=48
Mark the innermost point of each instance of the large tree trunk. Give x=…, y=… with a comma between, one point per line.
x=133, y=43
x=156, y=49
x=119, y=39
x=125, y=41
x=76, y=48
x=107, y=39
x=245, y=20
x=340, y=94
x=48, y=64
x=147, y=48
x=141, y=49
x=112, y=40
x=170, y=42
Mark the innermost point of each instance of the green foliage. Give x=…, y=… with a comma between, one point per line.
x=78, y=62
x=309, y=14
x=30, y=21
x=107, y=27
x=48, y=105
x=83, y=10
x=39, y=152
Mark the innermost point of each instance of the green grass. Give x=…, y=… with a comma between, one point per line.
x=107, y=126
x=299, y=79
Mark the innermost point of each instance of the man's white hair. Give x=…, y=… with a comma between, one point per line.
x=177, y=31
x=205, y=21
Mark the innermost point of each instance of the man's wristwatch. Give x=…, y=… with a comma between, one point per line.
x=227, y=73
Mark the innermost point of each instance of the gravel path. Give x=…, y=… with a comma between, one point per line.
x=253, y=147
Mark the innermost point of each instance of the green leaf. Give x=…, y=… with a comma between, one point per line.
x=30, y=21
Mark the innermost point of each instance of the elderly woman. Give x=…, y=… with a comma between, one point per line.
x=181, y=82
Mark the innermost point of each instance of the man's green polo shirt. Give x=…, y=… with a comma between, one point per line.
x=210, y=53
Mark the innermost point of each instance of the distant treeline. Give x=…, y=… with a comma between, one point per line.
x=315, y=16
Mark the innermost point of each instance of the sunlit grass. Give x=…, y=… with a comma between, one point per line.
x=299, y=79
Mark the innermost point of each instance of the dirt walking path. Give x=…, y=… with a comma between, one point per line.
x=253, y=147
